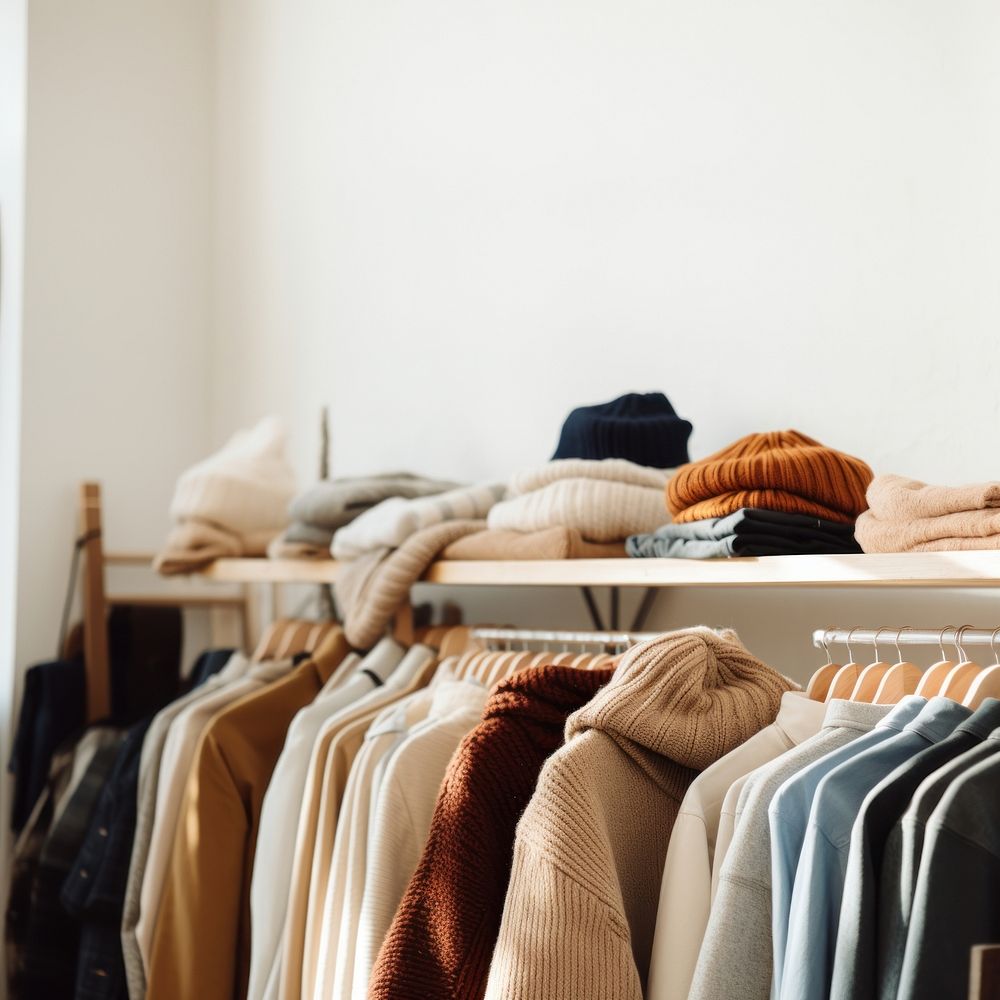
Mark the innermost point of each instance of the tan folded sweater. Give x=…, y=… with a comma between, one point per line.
x=601, y=510
x=193, y=544
x=896, y=498
x=616, y=470
x=588, y=858
x=967, y=530
x=549, y=543
x=371, y=588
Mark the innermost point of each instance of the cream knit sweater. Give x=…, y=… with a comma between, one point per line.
x=588, y=858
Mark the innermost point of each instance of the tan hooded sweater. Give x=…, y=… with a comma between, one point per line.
x=588, y=858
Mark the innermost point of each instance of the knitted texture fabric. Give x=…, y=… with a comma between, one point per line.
x=389, y=524
x=370, y=589
x=441, y=939
x=549, y=543
x=780, y=470
x=245, y=487
x=584, y=888
x=615, y=470
x=601, y=510
x=896, y=498
x=641, y=427
x=193, y=544
x=332, y=503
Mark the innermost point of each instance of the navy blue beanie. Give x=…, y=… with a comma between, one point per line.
x=640, y=427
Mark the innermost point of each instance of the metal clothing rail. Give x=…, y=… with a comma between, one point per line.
x=905, y=635
x=513, y=635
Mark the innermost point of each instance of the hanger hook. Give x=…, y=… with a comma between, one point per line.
x=899, y=632
x=847, y=643
x=941, y=640
x=824, y=641
x=958, y=640
x=878, y=632
x=996, y=659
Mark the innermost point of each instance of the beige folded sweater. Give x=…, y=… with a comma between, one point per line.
x=193, y=544
x=601, y=510
x=550, y=543
x=581, y=903
x=371, y=588
x=616, y=470
x=964, y=531
x=896, y=498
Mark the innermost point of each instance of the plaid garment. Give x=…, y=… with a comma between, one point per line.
x=48, y=966
x=94, y=891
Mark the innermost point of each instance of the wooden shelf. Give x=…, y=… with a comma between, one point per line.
x=907, y=569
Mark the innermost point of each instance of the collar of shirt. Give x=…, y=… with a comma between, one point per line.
x=984, y=720
x=236, y=667
x=269, y=670
x=453, y=696
x=859, y=715
x=903, y=714
x=799, y=717
x=938, y=719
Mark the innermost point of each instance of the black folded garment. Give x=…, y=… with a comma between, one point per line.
x=751, y=531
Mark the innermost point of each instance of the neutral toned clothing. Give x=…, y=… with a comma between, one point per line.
x=350, y=848
x=897, y=498
x=820, y=877
x=403, y=817
x=279, y=815
x=176, y=763
x=371, y=588
x=617, y=470
x=855, y=959
x=443, y=931
x=779, y=470
x=557, y=542
x=149, y=776
x=601, y=510
x=964, y=531
x=581, y=906
x=390, y=523
x=201, y=946
x=727, y=827
x=732, y=962
x=333, y=753
x=686, y=888
x=788, y=819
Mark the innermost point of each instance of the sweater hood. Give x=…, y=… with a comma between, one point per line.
x=545, y=694
x=690, y=696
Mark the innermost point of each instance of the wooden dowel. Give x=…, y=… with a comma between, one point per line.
x=95, y=610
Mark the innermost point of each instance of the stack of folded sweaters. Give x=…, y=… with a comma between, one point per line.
x=907, y=515
x=779, y=493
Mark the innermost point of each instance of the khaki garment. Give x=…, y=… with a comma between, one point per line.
x=201, y=947
x=549, y=543
x=588, y=857
x=183, y=741
x=333, y=754
x=686, y=889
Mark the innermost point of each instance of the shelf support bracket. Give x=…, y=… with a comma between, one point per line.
x=645, y=606
x=595, y=613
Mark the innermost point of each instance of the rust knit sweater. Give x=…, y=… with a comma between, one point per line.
x=780, y=470
x=441, y=941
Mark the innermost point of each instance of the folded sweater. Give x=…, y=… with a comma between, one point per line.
x=616, y=470
x=896, y=498
x=747, y=532
x=549, y=543
x=962, y=531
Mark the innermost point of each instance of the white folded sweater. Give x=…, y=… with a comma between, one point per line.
x=617, y=470
x=390, y=523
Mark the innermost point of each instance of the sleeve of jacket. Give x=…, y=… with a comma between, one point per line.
x=536, y=959
x=195, y=942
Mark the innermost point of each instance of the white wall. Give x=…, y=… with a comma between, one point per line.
x=117, y=278
x=453, y=222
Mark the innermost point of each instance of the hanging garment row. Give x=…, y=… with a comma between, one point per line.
x=655, y=817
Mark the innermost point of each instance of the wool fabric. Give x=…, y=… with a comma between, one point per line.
x=370, y=590
x=616, y=470
x=549, y=543
x=963, y=531
x=441, y=939
x=601, y=510
x=896, y=498
x=780, y=470
x=392, y=522
x=194, y=544
x=332, y=503
x=641, y=427
x=581, y=904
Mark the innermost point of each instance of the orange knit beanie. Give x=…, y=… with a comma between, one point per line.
x=780, y=470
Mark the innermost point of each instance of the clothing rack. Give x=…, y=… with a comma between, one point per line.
x=96, y=601
x=509, y=636
x=905, y=635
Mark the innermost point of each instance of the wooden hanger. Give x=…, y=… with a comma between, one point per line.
x=934, y=676
x=846, y=677
x=288, y=637
x=900, y=679
x=870, y=678
x=987, y=684
x=819, y=683
x=959, y=680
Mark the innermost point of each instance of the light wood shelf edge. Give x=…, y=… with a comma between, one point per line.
x=934, y=569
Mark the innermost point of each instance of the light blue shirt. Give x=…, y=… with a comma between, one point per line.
x=814, y=913
x=788, y=816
